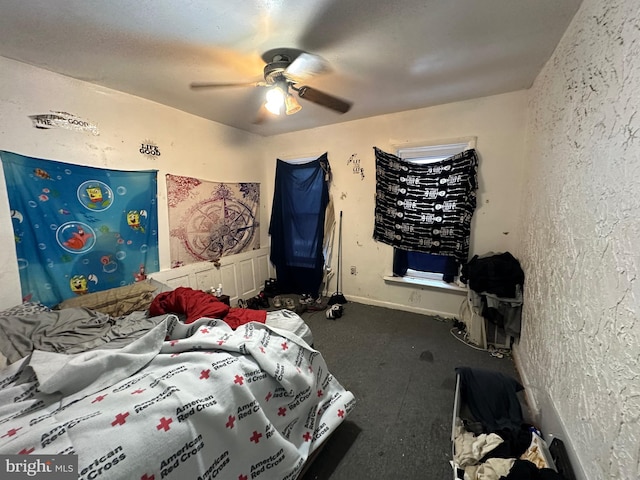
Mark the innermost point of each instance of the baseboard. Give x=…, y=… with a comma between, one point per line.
x=532, y=403
x=399, y=306
x=546, y=417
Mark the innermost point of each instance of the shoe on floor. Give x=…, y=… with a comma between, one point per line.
x=334, y=312
x=271, y=287
x=307, y=299
x=263, y=300
x=289, y=303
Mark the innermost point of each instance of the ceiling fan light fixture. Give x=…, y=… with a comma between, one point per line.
x=284, y=70
x=273, y=107
x=275, y=100
x=291, y=105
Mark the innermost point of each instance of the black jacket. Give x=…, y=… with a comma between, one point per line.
x=497, y=274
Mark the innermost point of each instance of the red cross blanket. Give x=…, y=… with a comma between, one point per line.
x=209, y=402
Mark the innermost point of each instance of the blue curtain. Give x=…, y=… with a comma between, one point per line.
x=300, y=200
x=80, y=229
x=424, y=262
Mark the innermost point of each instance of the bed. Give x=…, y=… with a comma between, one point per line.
x=166, y=398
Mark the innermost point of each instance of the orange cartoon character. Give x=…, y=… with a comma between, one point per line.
x=95, y=194
x=78, y=284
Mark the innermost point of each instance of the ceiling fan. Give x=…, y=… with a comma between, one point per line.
x=286, y=69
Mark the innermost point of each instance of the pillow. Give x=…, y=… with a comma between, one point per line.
x=159, y=286
x=27, y=308
x=115, y=302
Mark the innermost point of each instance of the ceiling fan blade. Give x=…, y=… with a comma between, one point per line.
x=324, y=99
x=305, y=66
x=203, y=85
x=339, y=22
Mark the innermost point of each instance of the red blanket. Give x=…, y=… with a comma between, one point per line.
x=196, y=304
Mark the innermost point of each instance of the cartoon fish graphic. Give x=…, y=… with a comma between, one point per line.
x=38, y=172
x=63, y=211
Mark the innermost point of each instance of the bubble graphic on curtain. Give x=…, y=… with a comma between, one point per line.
x=76, y=237
x=95, y=195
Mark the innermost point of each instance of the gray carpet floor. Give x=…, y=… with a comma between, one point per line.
x=401, y=368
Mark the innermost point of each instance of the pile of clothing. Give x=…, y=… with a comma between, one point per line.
x=495, y=283
x=492, y=441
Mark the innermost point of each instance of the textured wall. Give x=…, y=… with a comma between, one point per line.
x=580, y=233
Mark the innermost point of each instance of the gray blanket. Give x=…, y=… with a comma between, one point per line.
x=70, y=330
x=183, y=402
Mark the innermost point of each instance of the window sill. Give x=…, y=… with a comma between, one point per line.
x=424, y=282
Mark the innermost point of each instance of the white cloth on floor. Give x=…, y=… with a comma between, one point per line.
x=470, y=448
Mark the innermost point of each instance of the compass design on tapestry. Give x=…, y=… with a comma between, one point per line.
x=219, y=227
x=215, y=219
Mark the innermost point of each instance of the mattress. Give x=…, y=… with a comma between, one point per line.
x=290, y=321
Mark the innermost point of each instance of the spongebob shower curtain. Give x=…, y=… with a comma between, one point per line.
x=80, y=229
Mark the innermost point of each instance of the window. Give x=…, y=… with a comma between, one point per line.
x=425, y=268
x=434, y=153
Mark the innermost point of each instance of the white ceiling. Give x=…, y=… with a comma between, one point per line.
x=386, y=56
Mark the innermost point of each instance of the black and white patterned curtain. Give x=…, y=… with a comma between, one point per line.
x=426, y=207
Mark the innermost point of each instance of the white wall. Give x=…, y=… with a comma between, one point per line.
x=580, y=347
x=498, y=122
x=195, y=147
x=188, y=145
